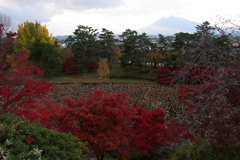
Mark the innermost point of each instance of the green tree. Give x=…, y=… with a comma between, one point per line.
x=182, y=41
x=169, y=56
x=136, y=48
x=36, y=51
x=164, y=44
x=84, y=45
x=204, y=29
x=50, y=60
x=108, y=45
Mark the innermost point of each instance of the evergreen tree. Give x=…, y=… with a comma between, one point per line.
x=136, y=48
x=182, y=41
x=169, y=56
x=50, y=59
x=107, y=43
x=36, y=51
x=84, y=45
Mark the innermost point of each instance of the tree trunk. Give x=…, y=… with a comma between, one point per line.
x=155, y=65
x=100, y=157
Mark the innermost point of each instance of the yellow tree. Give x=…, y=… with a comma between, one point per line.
x=103, y=69
x=28, y=33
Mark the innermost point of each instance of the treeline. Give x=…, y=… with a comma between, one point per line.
x=86, y=47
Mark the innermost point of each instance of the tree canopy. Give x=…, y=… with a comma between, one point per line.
x=107, y=43
x=136, y=47
x=28, y=33
x=84, y=45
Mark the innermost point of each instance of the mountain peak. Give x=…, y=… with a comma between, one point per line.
x=170, y=26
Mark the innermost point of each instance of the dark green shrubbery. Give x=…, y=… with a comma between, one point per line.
x=135, y=76
x=201, y=149
x=163, y=154
x=21, y=139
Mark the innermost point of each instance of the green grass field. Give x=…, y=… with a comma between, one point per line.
x=127, y=75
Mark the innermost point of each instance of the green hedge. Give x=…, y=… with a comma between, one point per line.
x=21, y=139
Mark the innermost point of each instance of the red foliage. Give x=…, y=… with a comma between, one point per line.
x=212, y=105
x=203, y=74
x=214, y=102
x=1, y=28
x=17, y=89
x=151, y=132
x=166, y=75
x=103, y=120
x=93, y=65
x=5, y=47
x=67, y=66
x=108, y=123
x=29, y=139
x=196, y=74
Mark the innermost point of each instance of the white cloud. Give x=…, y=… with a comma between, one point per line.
x=63, y=16
x=63, y=4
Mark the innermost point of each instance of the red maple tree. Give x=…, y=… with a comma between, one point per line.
x=17, y=89
x=102, y=120
x=111, y=126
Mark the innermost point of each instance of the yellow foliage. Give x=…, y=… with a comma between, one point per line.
x=117, y=53
x=28, y=33
x=103, y=69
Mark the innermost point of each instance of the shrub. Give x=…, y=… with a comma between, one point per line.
x=21, y=139
x=201, y=149
x=68, y=66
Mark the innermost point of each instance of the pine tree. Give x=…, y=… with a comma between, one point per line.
x=107, y=43
x=84, y=45
x=136, y=48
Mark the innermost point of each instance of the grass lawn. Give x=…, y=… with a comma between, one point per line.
x=127, y=75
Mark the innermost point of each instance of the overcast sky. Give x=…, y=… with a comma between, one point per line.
x=63, y=16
